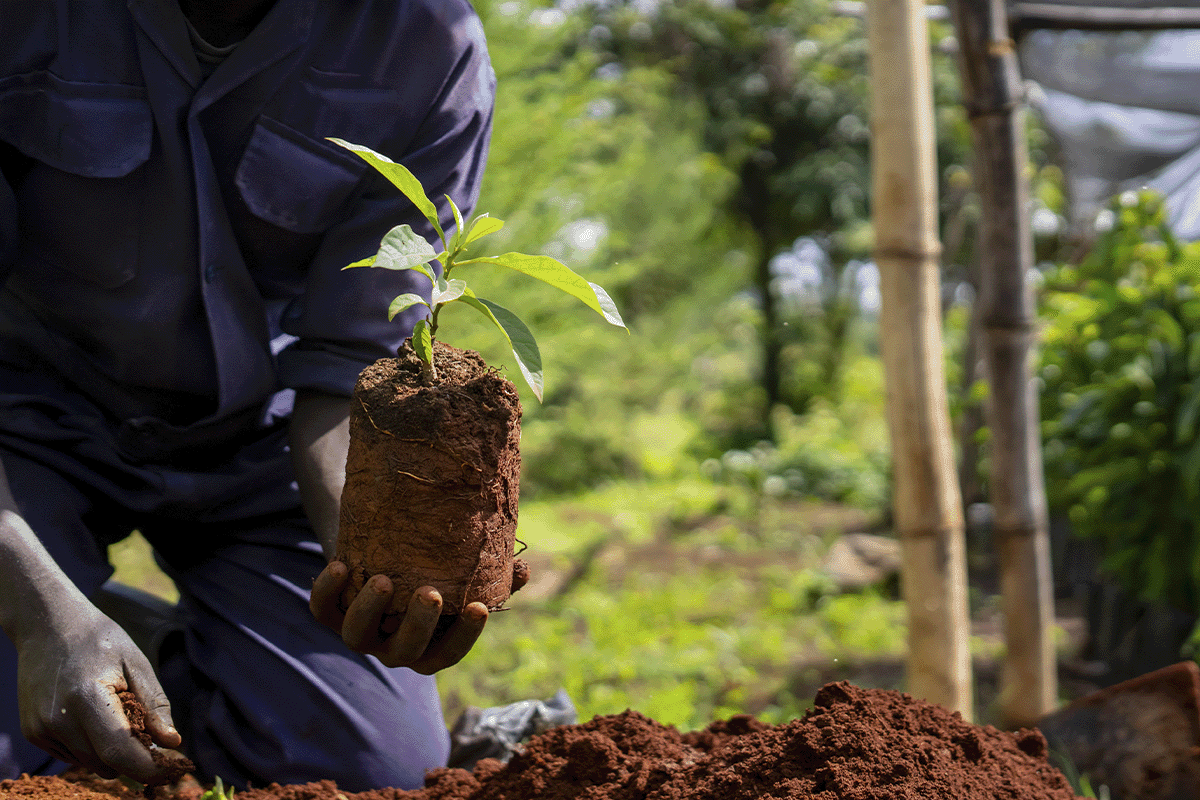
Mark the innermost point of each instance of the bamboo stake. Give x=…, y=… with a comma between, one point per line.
x=927, y=502
x=992, y=93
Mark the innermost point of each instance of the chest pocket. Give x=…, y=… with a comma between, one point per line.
x=80, y=201
x=293, y=181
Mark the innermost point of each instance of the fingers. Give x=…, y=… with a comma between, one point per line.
x=73, y=747
x=102, y=722
x=158, y=709
x=360, y=629
x=326, y=598
x=374, y=625
x=409, y=642
x=457, y=642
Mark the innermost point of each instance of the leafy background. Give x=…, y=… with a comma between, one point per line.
x=707, y=163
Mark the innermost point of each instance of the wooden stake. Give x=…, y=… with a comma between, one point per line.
x=993, y=96
x=927, y=500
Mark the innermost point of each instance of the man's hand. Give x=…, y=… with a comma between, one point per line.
x=71, y=662
x=398, y=631
x=68, y=677
x=368, y=622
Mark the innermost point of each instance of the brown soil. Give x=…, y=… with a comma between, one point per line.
x=432, y=479
x=855, y=744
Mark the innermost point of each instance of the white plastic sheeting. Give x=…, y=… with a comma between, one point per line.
x=1124, y=110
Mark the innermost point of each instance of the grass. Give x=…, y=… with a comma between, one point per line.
x=684, y=600
x=653, y=598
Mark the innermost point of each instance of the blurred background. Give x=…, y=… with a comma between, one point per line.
x=705, y=503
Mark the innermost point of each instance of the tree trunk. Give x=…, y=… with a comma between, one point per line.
x=992, y=94
x=927, y=501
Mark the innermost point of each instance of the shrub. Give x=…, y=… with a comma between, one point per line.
x=1120, y=401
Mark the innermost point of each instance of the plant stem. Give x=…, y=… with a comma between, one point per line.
x=433, y=319
x=428, y=371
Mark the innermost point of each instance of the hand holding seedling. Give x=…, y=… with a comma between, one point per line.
x=427, y=515
x=369, y=623
x=403, y=248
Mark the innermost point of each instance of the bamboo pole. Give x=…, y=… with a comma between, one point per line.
x=993, y=96
x=1025, y=16
x=927, y=503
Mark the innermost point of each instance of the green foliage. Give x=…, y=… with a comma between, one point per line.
x=1080, y=782
x=1120, y=401
x=679, y=609
x=218, y=791
x=836, y=452
x=627, y=188
x=402, y=248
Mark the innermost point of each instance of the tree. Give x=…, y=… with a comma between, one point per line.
x=782, y=88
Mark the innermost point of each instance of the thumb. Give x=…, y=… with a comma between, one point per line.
x=158, y=720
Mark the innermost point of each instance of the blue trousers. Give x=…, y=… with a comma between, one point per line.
x=259, y=691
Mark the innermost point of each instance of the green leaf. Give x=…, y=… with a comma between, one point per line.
x=366, y=262
x=218, y=791
x=448, y=291
x=422, y=341
x=1185, y=424
x=520, y=338
x=458, y=225
x=482, y=226
x=405, y=302
x=404, y=248
x=557, y=274
x=401, y=178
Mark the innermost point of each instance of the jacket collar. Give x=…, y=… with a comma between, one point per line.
x=285, y=29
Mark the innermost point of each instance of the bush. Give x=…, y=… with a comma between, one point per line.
x=1120, y=401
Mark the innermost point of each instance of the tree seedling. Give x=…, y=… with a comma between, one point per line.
x=218, y=791
x=403, y=248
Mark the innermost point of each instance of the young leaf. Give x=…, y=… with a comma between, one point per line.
x=404, y=248
x=218, y=791
x=369, y=261
x=447, y=291
x=405, y=302
x=401, y=178
x=422, y=341
x=481, y=227
x=458, y=224
x=520, y=338
x=559, y=275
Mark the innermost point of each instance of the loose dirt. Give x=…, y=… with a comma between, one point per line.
x=854, y=744
x=176, y=766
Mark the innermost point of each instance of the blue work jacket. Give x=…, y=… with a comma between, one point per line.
x=173, y=244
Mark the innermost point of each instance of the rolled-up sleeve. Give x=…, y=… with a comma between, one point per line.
x=339, y=322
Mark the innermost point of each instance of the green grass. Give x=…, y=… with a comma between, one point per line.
x=133, y=561
x=685, y=600
x=657, y=598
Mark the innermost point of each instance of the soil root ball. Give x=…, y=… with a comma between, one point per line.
x=432, y=479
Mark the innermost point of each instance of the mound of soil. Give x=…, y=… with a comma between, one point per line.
x=855, y=744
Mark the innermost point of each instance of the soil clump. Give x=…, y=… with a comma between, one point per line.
x=432, y=479
x=176, y=766
x=854, y=744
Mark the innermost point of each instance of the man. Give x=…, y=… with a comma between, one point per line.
x=172, y=227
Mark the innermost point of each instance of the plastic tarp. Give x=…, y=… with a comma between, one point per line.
x=1123, y=108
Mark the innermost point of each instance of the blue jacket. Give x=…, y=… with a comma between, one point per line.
x=173, y=245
